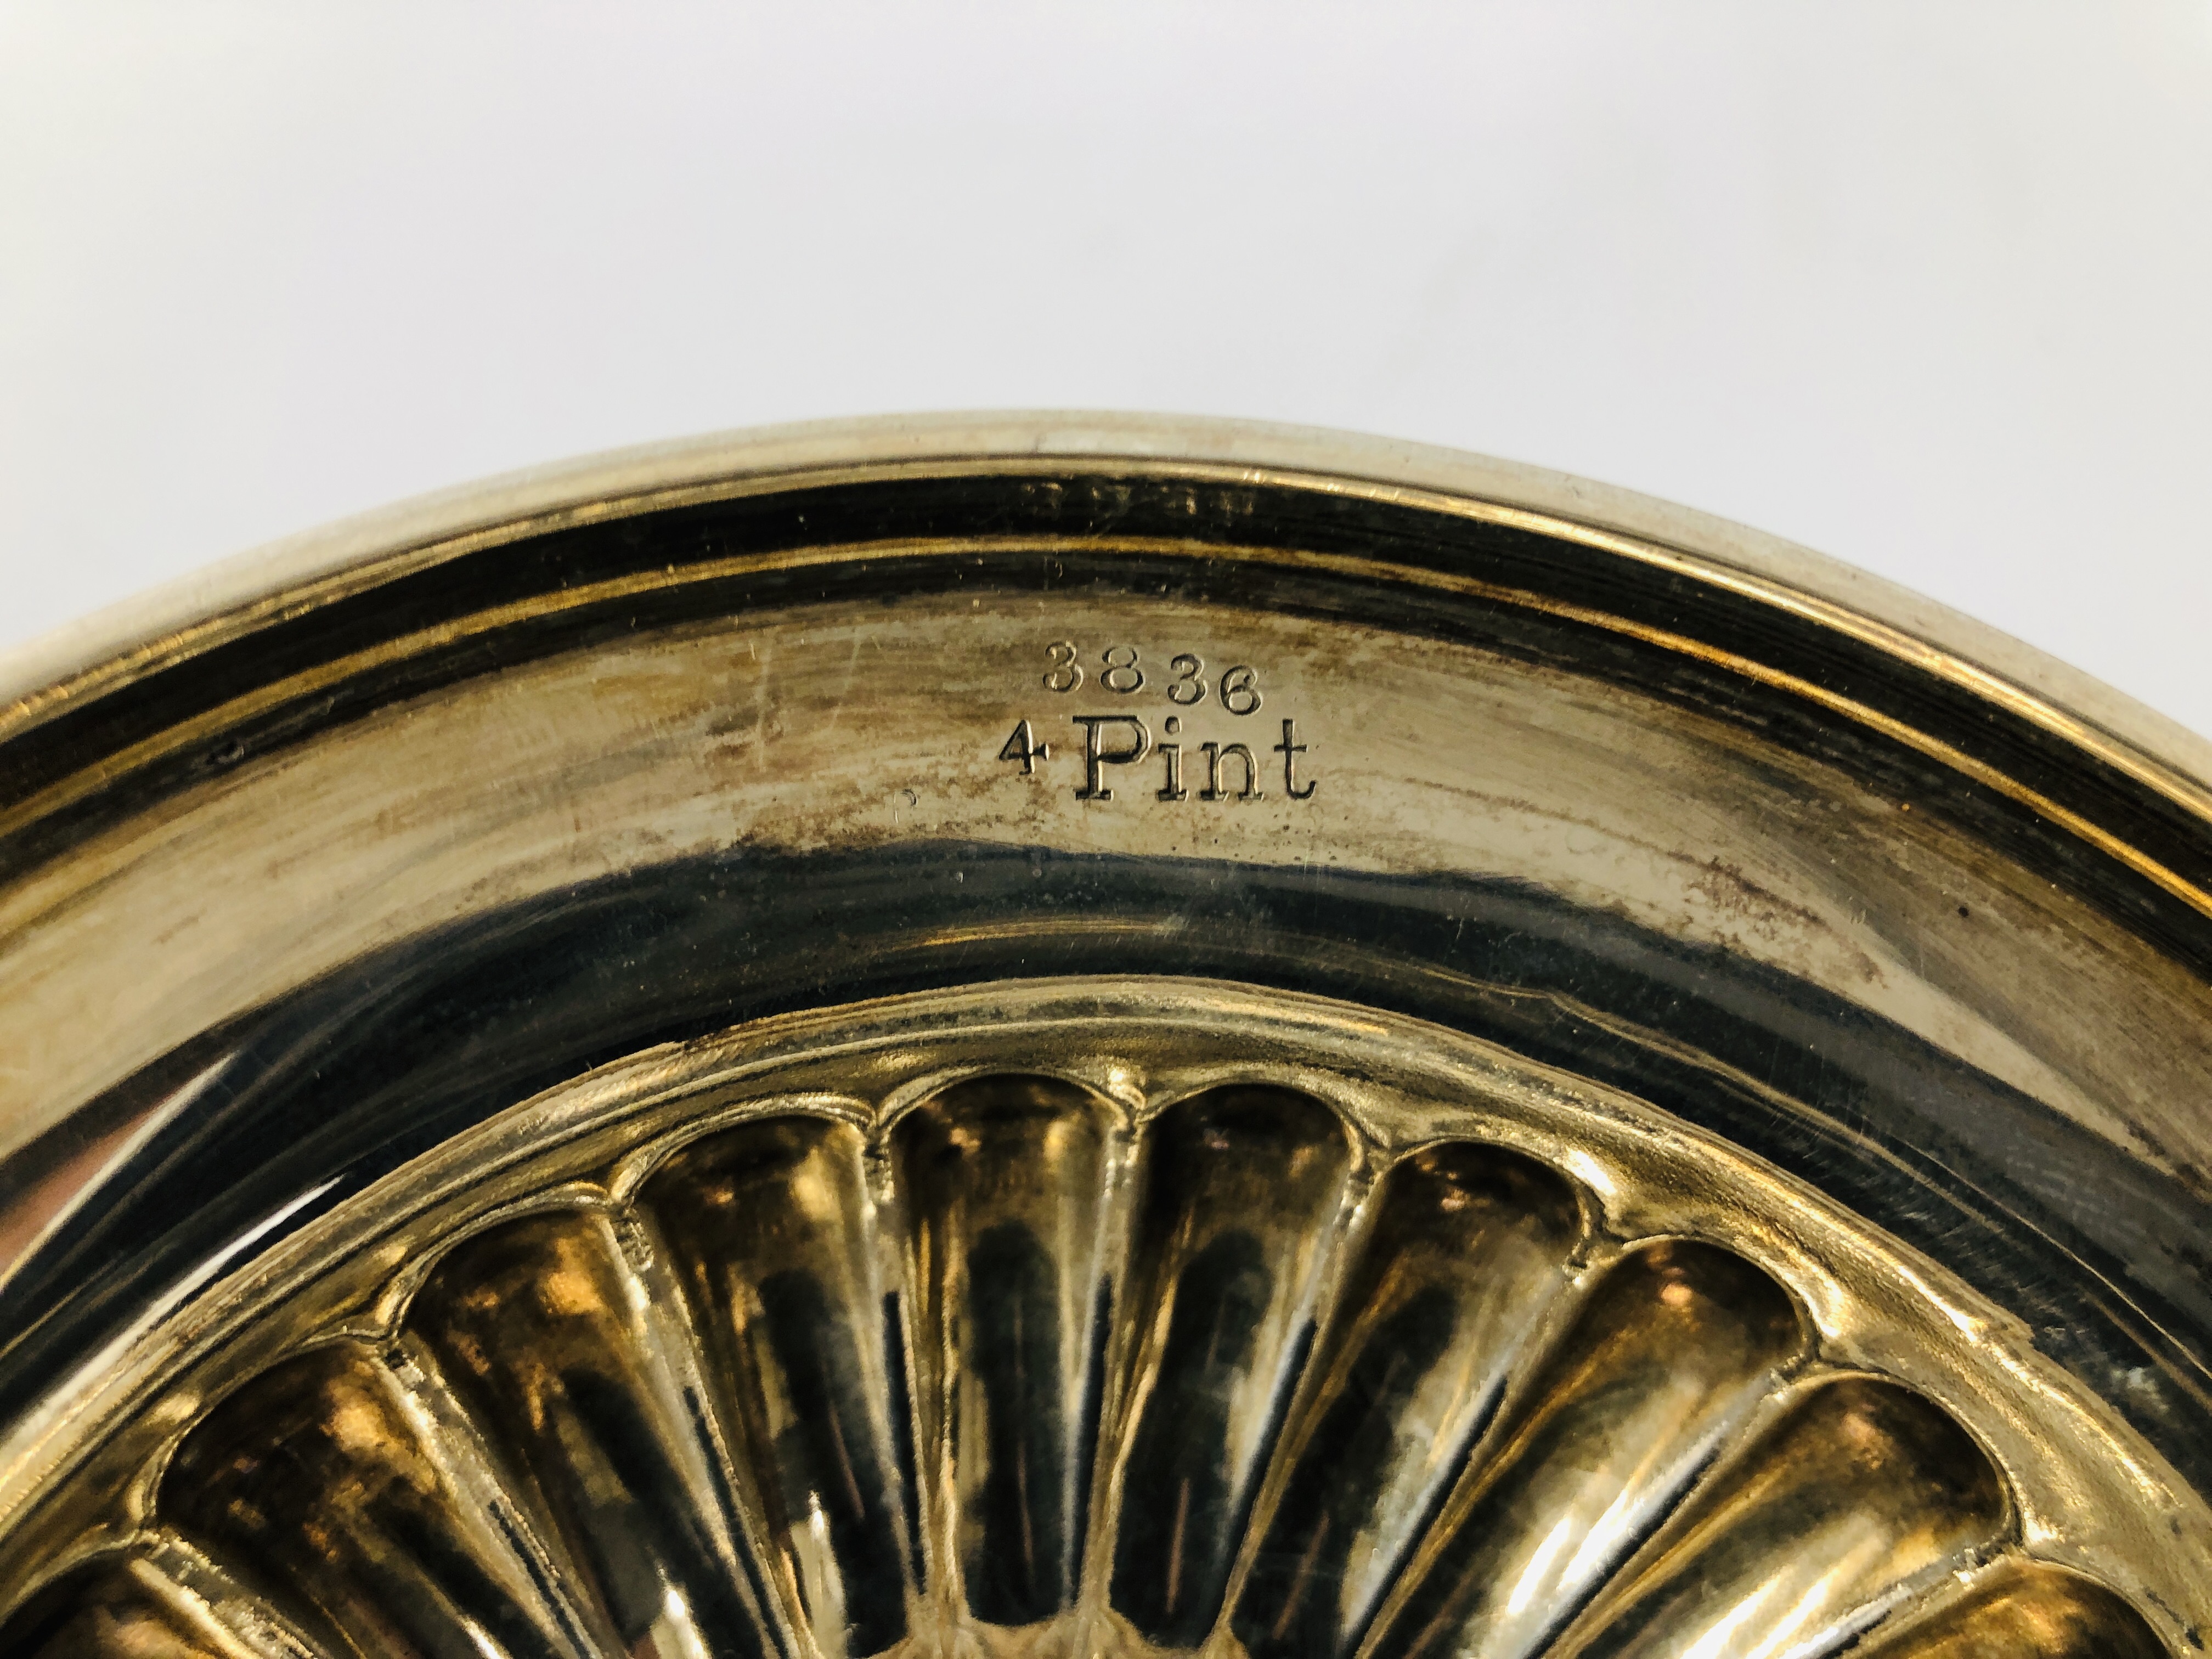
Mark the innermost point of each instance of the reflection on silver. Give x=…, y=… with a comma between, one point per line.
x=1005, y=1181
x=1472, y=1247
x=320, y=1486
x=1675, y=1348
x=1242, y=1189
x=768, y=1226
x=1011, y=1376
x=539, y=1325
x=2024, y=1611
x=120, y=1607
x=1860, y=1492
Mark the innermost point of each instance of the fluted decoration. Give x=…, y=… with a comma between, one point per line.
x=1011, y=1373
x=1003, y=1184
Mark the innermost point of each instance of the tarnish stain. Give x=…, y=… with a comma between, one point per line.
x=1722, y=887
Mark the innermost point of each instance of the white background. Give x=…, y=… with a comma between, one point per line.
x=1925, y=285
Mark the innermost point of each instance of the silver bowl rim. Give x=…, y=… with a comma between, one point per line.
x=177, y=620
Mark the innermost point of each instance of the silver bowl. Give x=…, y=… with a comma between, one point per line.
x=1037, y=1035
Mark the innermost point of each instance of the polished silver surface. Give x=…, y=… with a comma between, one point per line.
x=1026, y=1037
x=1239, y=1325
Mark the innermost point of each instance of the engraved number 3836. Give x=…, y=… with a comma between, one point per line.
x=1118, y=673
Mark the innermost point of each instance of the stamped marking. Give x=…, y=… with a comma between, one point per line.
x=1225, y=767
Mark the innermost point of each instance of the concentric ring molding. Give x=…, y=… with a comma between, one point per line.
x=1305, y=1265
x=1739, y=929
